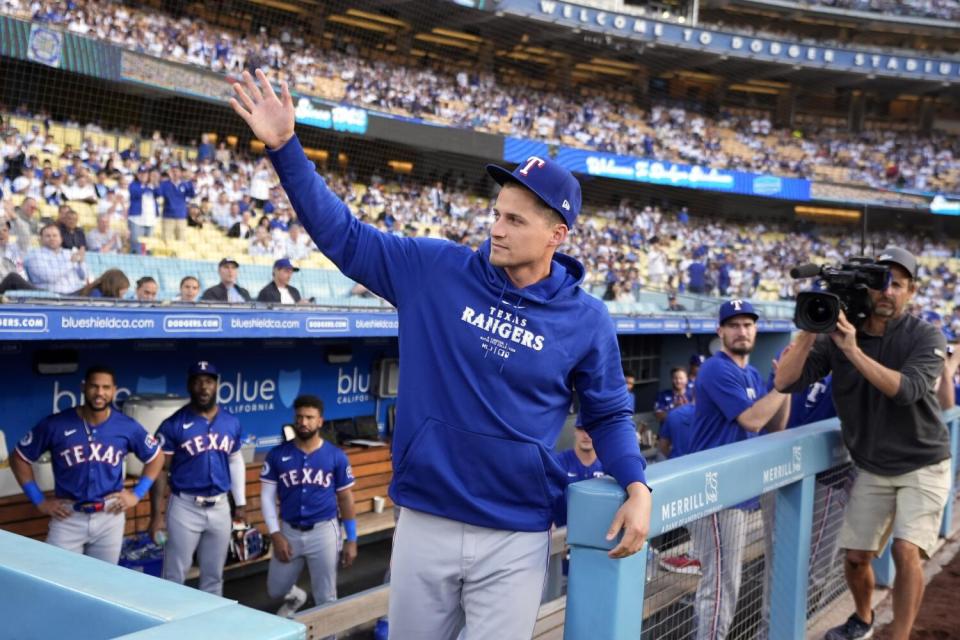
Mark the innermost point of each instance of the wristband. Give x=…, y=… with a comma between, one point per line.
x=142, y=487
x=33, y=492
x=350, y=526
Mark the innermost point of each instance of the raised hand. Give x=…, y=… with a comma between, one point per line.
x=270, y=118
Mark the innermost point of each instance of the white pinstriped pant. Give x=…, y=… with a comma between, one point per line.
x=718, y=543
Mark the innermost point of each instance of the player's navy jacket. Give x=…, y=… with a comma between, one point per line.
x=486, y=369
x=87, y=460
x=201, y=450
x=307, y=483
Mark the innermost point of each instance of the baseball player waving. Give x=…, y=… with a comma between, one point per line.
x=312, y=479
x=202, y=445
x=494, y=341
x=88, y=445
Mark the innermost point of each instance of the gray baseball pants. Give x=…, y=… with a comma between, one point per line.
x=204, y=530
x=453, y=580
x=98, y=535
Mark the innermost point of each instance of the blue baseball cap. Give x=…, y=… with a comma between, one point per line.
x=284, y=263
x=203, y=368
x=697, y=359
x=552, y=183
x=732, y=308
x=931, y=316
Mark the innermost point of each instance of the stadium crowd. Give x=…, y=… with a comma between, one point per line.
x=627, y=249
x=676, y=132
x=938, y=9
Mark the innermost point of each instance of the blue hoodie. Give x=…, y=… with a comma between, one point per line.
x=486, y=369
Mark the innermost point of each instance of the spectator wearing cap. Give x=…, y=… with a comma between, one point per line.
x=142, y=215
x=176, y=193
x=227, y=290
x=884, y=388
x=732, y=405
x=280, y=290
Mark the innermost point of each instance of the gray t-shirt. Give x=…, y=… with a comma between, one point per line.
x=887, y=436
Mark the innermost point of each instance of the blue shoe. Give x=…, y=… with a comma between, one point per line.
x=853, y=629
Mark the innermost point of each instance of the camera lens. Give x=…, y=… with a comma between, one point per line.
x=819, y=312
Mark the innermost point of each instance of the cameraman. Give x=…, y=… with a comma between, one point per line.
x=884, y=388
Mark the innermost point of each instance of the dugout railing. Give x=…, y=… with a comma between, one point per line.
x=783, y=470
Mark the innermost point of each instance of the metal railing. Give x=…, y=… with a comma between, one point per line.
x=788, y=563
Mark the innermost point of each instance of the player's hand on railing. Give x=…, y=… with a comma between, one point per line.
x=56, y=508
x=349, y=553
x=121, y=501
x=633, y=517
x=270, y=118
x=281, y=547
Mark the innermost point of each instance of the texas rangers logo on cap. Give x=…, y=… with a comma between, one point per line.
x=737, y=307
x=549, y=180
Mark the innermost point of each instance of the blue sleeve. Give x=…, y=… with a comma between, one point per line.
x=166, y=436
x=141, y=443
x=384, y=263
x=135, y=189
x=606, y=408
x=724, y=387
x=268, y=472
x=191, y=192
x=35, y=442
x=343, y=472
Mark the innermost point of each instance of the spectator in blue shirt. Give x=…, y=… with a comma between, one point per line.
x=176, y=193
x=205, y=151
x=142, y=213
x=697, y=277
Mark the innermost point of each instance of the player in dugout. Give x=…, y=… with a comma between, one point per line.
x=88, y=444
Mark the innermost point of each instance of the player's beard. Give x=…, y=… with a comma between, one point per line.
x=738, y=348
x=304, y=436
x=204, y=406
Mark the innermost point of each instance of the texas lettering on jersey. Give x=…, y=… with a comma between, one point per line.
x=305, y=476
x=208, y=442
x=92, y=452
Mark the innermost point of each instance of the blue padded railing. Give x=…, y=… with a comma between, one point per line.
x=605, y=597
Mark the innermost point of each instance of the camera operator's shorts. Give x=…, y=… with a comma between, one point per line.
x=908, y=506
